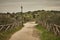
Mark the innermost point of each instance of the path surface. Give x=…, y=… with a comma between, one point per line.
x=28, y=32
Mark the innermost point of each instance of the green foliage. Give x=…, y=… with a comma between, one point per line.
x=7, y=34
x=9, y=19
x=40, y=16
x=45, y=35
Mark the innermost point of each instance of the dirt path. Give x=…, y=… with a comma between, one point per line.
x=28, y=32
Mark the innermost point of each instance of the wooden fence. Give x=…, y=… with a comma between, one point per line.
x=54, y=28
x=8, y=26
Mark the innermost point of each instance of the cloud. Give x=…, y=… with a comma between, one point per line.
x=29, y=5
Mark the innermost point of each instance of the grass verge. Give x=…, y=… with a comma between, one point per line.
x=7, y=34
x=45, y=35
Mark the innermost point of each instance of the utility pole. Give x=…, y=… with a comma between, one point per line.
x=22, y=14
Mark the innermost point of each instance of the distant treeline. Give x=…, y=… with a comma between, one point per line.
x=9, y=24
x=7, y=18
x=49, y=19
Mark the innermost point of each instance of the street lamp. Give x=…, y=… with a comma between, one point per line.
x=22, y=14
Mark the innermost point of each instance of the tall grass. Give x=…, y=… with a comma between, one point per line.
x=7, y=34
x=45, y=35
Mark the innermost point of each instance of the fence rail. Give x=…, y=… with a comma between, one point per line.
x=54, y=28
x=7, y=26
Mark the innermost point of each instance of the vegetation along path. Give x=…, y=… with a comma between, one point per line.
x=28, y=32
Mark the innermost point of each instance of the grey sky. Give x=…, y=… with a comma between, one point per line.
x=29, y=5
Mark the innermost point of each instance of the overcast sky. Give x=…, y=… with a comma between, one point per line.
x=28, y=5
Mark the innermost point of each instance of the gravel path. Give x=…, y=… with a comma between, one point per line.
x=28, y=32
